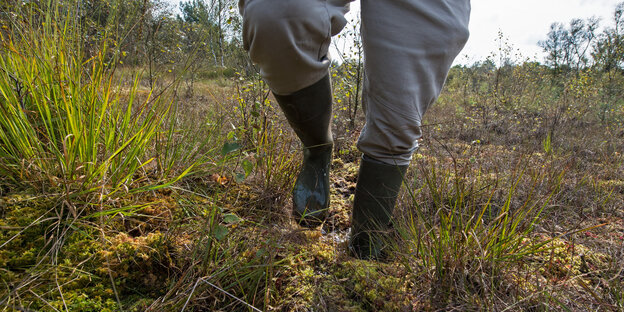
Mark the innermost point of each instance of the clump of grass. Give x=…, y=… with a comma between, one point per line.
x=467, y=227
x=71, y=131
x=66, y=123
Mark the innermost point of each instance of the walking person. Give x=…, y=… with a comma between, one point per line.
x=409, y=47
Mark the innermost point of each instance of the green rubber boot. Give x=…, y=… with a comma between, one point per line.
x=376, y=192
x=309, y=113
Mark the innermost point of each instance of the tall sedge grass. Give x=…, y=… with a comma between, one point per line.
x=70, y=130
x=64, y=120
x=472, y=226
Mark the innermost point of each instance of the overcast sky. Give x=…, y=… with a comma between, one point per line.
x=523, y=23
x=526, y=22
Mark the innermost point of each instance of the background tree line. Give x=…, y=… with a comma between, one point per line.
x=576, y=91
x=193, y=36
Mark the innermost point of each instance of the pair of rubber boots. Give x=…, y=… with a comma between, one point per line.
x=309, y=113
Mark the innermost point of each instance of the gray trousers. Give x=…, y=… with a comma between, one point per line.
x=409, y=46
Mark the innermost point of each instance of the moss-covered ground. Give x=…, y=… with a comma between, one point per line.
x=222, y=245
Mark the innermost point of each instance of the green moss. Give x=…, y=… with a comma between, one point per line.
x=564, y=263
x=375, y=286
x=26, y=238
x=81, y=302
x=80, y=279
x=137, y=263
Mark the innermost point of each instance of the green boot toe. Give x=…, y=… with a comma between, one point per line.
x=311, y=191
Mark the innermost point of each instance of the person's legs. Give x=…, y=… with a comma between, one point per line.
x=288, y=41
x=409, y=47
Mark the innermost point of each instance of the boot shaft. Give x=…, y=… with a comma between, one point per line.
x=376, y=193
x=309, y=112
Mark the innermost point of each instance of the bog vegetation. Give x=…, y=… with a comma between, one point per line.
x=144, y=166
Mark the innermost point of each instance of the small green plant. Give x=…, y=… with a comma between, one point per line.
x=547, y=144
x=262, y=136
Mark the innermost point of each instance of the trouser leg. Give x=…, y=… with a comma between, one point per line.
x=288, y=41
x=409, y=47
